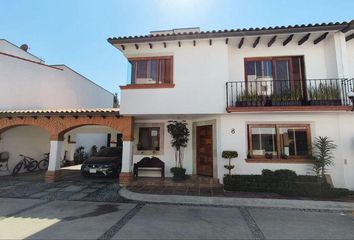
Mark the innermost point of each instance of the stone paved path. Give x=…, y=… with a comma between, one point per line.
x=94, y=210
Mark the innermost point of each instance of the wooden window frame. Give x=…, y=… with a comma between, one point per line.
x=157, y=84
x=158, y=138
x=277, y=126
x=273, y=59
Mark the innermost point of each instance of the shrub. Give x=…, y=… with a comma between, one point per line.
x=285, y=175
x=284, y=182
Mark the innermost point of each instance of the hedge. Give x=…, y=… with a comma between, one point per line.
x=284, y=182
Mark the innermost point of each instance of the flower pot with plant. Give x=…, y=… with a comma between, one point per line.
x=180, y=137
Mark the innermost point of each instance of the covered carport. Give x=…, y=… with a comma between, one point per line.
x=57, y=123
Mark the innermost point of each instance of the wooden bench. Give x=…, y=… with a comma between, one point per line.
x=149, y=164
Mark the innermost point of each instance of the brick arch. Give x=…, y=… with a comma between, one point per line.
x=57, y=126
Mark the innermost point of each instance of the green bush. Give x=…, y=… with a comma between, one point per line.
x=284, y=182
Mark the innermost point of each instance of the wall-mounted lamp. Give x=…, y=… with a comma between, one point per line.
x=351, y=98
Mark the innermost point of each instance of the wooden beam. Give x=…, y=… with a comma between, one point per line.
x=271, y=41
x=179, y=43
x=136, y=46
x=256, y=42
x=304, y=39
x=241, y=42
x=164, y=44
x=288, y=40
x=227, y=41
x=210, y=42
x=150, y=45
x=320, y=38
x=350, y=37
x=123, y=47
x=194, y=43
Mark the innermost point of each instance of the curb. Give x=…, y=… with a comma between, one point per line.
x=238, y=202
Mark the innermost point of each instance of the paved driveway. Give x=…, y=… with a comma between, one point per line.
x=94, y=210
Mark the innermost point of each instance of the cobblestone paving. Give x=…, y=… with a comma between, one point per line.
x=83, y=191
x=141, y=219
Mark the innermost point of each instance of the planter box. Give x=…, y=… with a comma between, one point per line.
x=334, y=102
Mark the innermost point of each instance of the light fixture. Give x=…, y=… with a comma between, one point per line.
x=351, y=98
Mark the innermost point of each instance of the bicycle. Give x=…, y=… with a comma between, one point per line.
x=44, y=163
x=27, y=163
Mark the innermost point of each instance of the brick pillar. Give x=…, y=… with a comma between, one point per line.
x=126, y=175
x=53, y=173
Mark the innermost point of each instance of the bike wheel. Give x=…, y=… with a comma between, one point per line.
x=17, y=168
x=32, y=166
x=43, y=164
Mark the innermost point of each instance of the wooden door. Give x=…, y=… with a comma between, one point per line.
x=204, y=138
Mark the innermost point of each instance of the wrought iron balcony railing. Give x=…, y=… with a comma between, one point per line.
x=309, y=92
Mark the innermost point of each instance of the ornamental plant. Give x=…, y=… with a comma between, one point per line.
x=229, y=155
x=323, y=148
x=180, y=137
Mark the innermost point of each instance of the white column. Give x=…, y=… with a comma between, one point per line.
x=127, y=159
x=55, y=155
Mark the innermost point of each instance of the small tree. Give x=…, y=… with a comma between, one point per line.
x=323, y=148
x=229, y=155
x=180, y=137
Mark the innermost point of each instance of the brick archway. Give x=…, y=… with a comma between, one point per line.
x=59, y=122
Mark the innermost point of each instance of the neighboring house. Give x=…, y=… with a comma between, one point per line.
x=27, y=83
x=264, y=92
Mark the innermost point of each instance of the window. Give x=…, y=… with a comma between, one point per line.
x=274, y=75
x=279, y=141
x=149, y=139
x=154, y=70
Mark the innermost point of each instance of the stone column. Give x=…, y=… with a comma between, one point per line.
x=53, y=173
x=126, y=175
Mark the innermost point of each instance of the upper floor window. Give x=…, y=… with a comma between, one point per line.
x=152, y=70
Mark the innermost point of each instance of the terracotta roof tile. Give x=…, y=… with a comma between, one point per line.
x=49, y=112
x=339, y=26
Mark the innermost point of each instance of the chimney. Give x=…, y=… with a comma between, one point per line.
x=24, y=47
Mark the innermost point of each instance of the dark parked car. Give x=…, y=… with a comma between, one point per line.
x=107, y=162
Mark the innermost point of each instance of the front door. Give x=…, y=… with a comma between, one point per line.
x=205, y=150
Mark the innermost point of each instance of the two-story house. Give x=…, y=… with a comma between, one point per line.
x=264, y=92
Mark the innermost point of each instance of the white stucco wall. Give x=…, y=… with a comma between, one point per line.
x=27, y=140
x=350, y=56
x=87, y=140
x=9, y=48
x=168, y=155
x=198, y=74
x=337, y=126
x=27, y=85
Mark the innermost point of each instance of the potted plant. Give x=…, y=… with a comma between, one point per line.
x=229, y=155
x=180, y=137
x=325, y=94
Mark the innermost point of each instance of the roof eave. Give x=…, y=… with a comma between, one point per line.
x=231, y=33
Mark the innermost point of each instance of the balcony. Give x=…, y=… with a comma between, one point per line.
x=289, y=95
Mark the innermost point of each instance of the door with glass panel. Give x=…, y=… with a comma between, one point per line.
x=282, y=75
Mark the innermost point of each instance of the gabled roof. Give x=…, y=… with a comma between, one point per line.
x=337, y=26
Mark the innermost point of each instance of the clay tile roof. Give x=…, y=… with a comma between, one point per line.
x=61, y=112
x=343, y=26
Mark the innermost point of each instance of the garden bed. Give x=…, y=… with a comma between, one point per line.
x=283, y=182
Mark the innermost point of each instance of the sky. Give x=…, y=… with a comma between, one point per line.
x=75, y=32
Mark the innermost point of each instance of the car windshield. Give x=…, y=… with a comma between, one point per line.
x=110, y=152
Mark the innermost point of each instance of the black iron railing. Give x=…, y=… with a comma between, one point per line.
x=309, y=92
